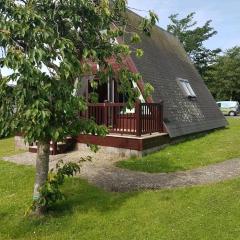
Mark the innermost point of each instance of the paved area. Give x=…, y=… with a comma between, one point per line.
x=102, y=172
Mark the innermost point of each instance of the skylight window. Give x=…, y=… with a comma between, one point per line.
x=187, y=88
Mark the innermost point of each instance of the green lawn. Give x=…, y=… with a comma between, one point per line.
x=210, y=148
x=7, y=147
x=204, y=213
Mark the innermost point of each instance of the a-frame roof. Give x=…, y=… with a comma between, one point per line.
x=164, y=61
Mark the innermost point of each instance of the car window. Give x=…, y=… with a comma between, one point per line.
x=228, y=104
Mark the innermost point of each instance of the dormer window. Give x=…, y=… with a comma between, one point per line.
x=186, y=88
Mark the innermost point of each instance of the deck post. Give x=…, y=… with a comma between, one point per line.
x=138, y=112
x=105, y=114
x=160, y=117
x=54, y=148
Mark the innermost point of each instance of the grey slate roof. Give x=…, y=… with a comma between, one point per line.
x=163, y=62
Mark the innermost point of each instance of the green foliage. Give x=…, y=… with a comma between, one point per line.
x=49, y=45
x=193, y=38
x=204, y=58
x=194, y=152
x=94, y=148
x=148, y=90
x=135, y=38
x=6, y=111
x=126, y=88
x=146, y=24
x=139, y=52
x=50, y=192
x=223, y=77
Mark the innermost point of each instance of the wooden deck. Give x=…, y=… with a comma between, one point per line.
x=138, y=129
x=130, y=142
x=144, y=118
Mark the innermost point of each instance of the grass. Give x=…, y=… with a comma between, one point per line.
x=199, y=213
x=7, y=147
x=213, y=147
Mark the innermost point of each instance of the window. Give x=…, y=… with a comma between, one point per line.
x=228, y=104
x=186, y=87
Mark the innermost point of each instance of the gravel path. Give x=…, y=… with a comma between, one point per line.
x=102, y=172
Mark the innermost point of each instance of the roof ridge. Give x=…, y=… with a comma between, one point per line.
x=157, y=26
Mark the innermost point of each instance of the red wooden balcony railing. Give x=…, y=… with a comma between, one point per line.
x=145, y=118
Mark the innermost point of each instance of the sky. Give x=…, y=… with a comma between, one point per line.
x=225, y=16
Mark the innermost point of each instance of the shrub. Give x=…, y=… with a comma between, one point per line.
x=50, y=192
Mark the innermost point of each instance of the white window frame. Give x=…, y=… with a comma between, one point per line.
x=186, y=87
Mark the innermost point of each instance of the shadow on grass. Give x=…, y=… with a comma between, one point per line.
x=153, y=166
x=81, y=198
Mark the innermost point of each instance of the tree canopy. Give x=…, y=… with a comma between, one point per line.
x=49, y=45
x=59, y=37
x=193, y=39
x=223, y=77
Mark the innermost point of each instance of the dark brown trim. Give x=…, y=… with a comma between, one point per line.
x=19, y=134
x=109, y=141
x=138, y=144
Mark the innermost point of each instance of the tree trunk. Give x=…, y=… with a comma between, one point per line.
x=42, y=167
